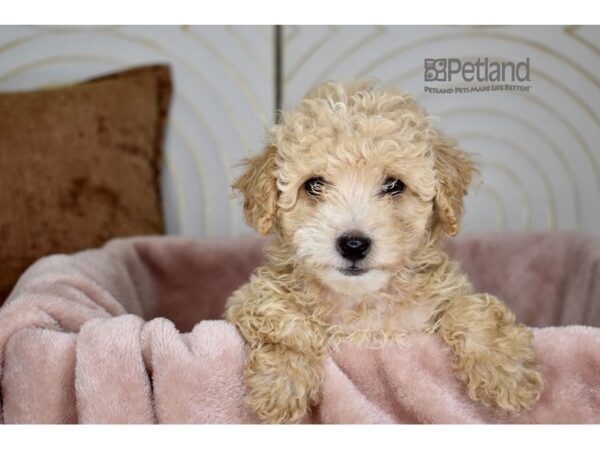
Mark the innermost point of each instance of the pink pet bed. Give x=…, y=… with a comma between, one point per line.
x=130, y=333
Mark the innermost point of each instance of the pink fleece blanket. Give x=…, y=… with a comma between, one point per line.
x=130, y=334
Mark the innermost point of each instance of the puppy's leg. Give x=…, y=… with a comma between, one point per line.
x=282, y=384
x=492, y=354
x=283, y=372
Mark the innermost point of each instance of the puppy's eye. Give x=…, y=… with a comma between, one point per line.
x=314, y=186
x=393, y=187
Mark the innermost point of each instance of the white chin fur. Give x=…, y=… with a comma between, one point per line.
x=371, y=281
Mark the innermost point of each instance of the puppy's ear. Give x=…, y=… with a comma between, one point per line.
x=258, y=185
x=455, y=169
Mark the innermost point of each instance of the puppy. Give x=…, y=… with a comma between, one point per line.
x=358, y=191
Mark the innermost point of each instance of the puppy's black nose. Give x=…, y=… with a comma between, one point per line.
x=353, y=247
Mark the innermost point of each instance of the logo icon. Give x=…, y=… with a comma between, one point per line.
x=436, y=69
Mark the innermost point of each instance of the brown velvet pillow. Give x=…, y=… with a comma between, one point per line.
x=80, y=165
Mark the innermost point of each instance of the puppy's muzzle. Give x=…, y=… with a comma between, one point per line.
x=353, y=246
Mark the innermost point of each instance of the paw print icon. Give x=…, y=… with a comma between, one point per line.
x=436, y=69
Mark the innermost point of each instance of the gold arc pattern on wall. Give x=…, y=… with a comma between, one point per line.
x=518, y=149
x=248, y=48
x=377, y=32
x=199, y=166
x=500, y=206
x=239, y=79
x=571, y=31
x=288, y=76
x=110, y=62
x=523, y=194
x=232, y=71
x=535, y=131
x=180, y=207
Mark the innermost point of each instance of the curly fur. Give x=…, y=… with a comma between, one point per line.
x=299, y=303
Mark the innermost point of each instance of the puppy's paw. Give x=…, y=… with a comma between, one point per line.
x=493, y=355
x=282, y=385
x=505, y=375
x=510, y=386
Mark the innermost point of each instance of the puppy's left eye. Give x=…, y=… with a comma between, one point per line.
x=393, y=187
x=314, y=186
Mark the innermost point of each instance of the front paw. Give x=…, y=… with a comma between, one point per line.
x=281, y=384
x=504, y=383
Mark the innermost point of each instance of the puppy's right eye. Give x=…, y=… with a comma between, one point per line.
x=314, y=186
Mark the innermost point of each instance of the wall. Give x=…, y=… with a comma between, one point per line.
x=539, y=150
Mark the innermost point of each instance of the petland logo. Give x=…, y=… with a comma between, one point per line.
x=482, y=70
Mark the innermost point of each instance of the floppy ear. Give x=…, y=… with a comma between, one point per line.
x=258, y=185
x=455, y=169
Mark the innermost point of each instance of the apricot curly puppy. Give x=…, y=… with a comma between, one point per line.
x=358, y=190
